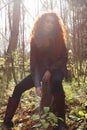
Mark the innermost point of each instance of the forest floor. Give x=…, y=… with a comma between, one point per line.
x=76, y=108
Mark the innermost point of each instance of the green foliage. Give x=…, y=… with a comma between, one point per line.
x=83, y=114
x=75, y=90
x=45, y=120
x=17, y=67
x=21, y=64
x=76, y=100
x=77, y=69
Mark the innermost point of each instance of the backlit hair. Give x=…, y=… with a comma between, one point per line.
x=59, y=34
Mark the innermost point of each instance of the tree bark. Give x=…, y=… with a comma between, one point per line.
x=15, y=27
x=47, y=97
x=13, y=39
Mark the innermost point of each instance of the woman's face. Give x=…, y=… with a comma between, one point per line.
x=48, y=25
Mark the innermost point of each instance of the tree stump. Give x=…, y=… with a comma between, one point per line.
x=47, y=98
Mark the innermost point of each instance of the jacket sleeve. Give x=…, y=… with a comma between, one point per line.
x=60, y=62
x=34, y=66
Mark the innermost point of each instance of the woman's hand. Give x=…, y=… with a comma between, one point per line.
x=46, y=76
x=39, y=91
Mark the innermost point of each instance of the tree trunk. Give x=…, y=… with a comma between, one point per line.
x=15, y=28
x=47, y=98
x=13, y=39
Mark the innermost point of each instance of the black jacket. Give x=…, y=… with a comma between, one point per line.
x=42, y=59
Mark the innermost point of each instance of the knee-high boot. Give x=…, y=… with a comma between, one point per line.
x=10, y=111
x=59, y=100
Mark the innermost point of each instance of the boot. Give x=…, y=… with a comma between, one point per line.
x=59, y=100
x=10, y=111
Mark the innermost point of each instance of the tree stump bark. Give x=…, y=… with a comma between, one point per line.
x=47, y=98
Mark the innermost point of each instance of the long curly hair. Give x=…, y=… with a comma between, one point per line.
x=58, y=35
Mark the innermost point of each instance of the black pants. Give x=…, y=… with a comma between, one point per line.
x=27, y=83
x=24, y=85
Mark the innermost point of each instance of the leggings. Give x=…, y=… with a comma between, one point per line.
x=24, y=85
x=27, y=83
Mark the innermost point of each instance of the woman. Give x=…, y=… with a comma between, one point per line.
x=48, y=58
